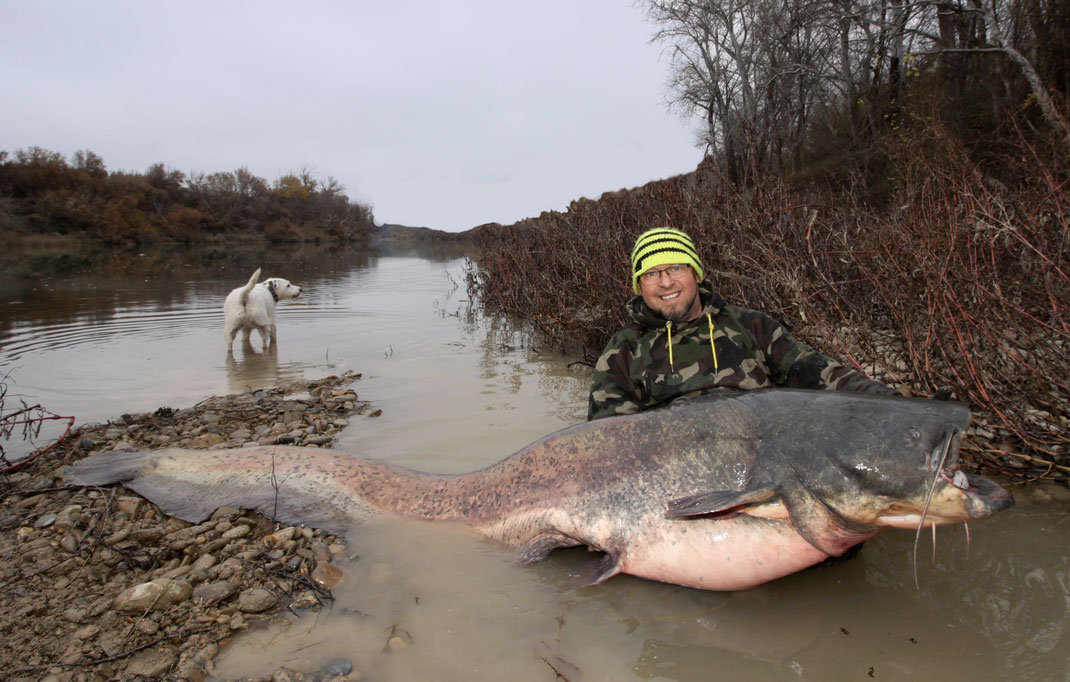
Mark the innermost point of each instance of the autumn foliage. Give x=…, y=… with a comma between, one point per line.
x=41, y=193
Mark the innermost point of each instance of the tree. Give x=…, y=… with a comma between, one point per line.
x=85, y=160
x=765, y=75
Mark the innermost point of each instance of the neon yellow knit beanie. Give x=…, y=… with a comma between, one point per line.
x=663, y=246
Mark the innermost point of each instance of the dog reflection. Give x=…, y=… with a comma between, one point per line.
x=253, y=370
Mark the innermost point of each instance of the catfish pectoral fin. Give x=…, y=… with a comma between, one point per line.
x=717, y=502
x=606, y=568
x=540, y=546
x=820, y=525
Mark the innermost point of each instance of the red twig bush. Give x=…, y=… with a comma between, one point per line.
x=961, y=278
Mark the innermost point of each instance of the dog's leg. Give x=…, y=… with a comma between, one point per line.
x=228, y=335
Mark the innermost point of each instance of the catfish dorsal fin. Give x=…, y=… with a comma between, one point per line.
x=717, y=502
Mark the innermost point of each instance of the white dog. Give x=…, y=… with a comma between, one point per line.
x=253, y=307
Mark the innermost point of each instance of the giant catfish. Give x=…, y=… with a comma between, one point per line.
x=722, y=492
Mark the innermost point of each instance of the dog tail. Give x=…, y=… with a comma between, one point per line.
x=249, y=287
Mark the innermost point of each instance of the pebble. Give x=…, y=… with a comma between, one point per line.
x=44, y=521
x=147, y=536
x=256, y=600
x=29, y=502
x=279, y=537
x=116, y=538
x=337, y=666
x=177, y=572
x=211, y=593
x=67, y=518
x=69, y=544
x=86, y=632
x=204, y=562
x=236, y=532
x=326, y=575
x=151, y=663
x=230, y=567
x=158, y=595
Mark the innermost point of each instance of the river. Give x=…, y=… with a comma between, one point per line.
x=97, y=335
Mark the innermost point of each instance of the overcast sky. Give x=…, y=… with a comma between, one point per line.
x=438, y=114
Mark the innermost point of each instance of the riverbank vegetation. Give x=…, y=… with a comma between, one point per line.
x=46, y=198
x=890, y=181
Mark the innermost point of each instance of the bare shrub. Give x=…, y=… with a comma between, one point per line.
x=962, y=281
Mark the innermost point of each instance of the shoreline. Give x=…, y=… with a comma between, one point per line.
x=99, y=583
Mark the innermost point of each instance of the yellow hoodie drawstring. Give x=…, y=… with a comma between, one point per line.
x=713, y=348
x=668, y=330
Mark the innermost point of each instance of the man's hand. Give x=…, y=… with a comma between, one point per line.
x=942, y=393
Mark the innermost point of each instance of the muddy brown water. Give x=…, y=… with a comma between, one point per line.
x=101, y=334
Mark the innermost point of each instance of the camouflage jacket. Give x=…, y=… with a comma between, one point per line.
x=751, y=350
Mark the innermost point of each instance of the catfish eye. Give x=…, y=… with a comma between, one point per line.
x=914, y=435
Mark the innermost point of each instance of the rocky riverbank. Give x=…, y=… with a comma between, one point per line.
x=99, y=584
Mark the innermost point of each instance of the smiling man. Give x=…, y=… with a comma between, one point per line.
x=685, y=340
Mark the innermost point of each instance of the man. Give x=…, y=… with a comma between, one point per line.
x=685, y=340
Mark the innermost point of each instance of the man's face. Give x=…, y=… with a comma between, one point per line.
x=673, y=297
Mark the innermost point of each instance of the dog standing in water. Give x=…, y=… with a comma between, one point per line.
x=253, y=307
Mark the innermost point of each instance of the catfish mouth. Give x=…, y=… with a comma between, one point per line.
x=953, y=496
x=981, y=497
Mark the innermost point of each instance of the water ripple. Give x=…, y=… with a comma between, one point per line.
x=136, y=322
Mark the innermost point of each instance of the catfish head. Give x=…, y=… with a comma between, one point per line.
x=843, y=465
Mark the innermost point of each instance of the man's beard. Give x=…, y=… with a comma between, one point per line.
x=670, y=312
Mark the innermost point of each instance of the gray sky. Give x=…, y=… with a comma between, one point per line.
x=439, y=114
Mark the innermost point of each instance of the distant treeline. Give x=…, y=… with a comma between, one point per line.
x=42, y=193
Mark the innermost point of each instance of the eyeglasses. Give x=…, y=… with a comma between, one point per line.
x=673, y=271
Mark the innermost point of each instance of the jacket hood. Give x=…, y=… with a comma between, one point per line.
x=642, y=314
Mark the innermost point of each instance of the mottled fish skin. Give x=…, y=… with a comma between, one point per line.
x=765, y=483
